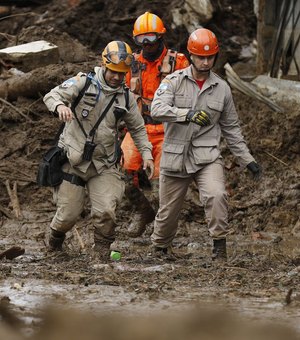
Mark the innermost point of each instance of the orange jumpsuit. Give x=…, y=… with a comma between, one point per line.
x=150, y=79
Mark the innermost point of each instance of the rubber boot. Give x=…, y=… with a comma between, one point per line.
x=162, y=254
x=140, y=220
x=101, y=246
x=144, y=212
x=102, y=250
x=56, y=240
x=219, y=252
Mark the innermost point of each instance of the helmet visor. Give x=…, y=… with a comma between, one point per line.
x=149, y=38
x=116, y=57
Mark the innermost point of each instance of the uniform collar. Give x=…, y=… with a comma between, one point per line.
x=213, y=79
x=104, y=87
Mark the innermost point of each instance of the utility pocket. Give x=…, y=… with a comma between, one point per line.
x=205, y=151
x=50, y=172
x=172, y=157
x=183, y=102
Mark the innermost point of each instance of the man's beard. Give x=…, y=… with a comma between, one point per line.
x=200, y=70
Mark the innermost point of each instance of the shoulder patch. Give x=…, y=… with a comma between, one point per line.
x=70, y=82
x=162, y=88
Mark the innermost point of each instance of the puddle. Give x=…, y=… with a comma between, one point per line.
x=29, y=297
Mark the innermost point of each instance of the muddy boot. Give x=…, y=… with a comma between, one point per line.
x=102, y=244
x=144, y=212
x=162, y=254
x=219, y=252
x=102, y=250
x=140, y=220
x=56, y=240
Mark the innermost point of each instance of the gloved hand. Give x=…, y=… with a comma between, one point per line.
x=198, y=117
x=255, y=169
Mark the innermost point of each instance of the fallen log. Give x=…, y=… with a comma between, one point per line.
x=38, y=82
x=235, y=81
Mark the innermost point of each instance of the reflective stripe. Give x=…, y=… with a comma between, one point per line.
x=138, y=23
x=154, y=22
x=122, y=47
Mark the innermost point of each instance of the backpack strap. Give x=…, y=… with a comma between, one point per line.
x=126, y=95
x=136, y=75
x=88, y=81
x=168, y=63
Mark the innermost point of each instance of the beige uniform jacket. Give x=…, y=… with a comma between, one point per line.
x=93, y=103
x=187, y=146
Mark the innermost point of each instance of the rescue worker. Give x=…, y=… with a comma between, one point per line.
x=197, y=107
x=90, y=143
x=150, y=66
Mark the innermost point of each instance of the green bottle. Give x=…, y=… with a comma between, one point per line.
x=115, y=255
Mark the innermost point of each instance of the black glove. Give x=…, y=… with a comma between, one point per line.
x=255, y=169
x=198, y=117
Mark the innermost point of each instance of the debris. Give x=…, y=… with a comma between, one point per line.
x=82, y=246
x=31, y=55
x=277, y=159
x=37, y=82
x=296, y=229
x=15, y=109
x=245, y=88
x=6, y=212
x=288, y=298
x=279, y=89
x=13, y=195
x=12, y=253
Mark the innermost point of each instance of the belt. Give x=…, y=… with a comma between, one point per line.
x=74, y=179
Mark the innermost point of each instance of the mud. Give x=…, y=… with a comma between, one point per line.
x=261, y=279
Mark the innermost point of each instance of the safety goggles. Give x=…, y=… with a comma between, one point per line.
x=149, y=38
x=116, y=57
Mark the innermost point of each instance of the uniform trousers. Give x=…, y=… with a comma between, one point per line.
x=210, y=181
x=104, y=190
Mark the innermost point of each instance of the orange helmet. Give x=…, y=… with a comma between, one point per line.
x=203, y=42
x=117, y=56
x=148, y=23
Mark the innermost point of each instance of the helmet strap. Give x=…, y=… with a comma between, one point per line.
x=216, y=57
x=191, y=61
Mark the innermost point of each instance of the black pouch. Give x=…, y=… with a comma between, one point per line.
x=50, y=173
x=88, y=150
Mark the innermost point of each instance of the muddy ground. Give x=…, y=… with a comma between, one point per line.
x=261, y=279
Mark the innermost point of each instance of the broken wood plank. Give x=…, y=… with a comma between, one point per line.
x=277, y=159
x=245, y=88
x=13, y=195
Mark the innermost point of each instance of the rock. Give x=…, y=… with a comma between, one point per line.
x=278, y=89
x=193, y=14
x=31, y=55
